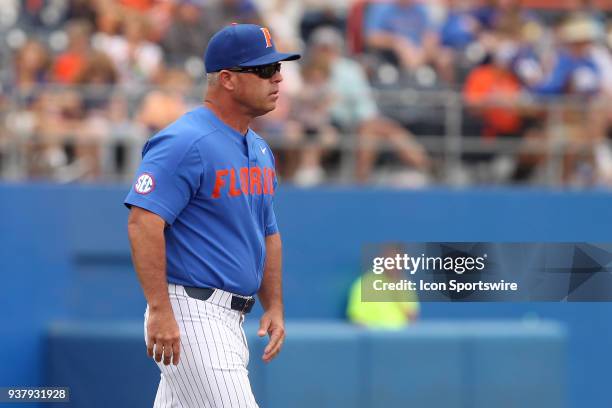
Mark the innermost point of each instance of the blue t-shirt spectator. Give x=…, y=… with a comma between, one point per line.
x=409, y=21
x=571, y=75
x=459, y=30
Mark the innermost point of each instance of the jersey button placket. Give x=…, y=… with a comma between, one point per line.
x=252, y=163
x=248, y=149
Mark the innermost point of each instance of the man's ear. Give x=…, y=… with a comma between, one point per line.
x=227, y=80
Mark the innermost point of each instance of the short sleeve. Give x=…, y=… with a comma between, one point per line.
x=271, y=226
x=168, y=177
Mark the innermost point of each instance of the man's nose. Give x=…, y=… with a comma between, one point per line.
x=277, y=77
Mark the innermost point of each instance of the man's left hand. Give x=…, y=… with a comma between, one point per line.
x=272, y=322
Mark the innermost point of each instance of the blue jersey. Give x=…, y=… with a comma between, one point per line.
x=214, y=188
x=571, y=75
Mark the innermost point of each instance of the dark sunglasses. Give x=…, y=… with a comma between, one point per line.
x=262, y=71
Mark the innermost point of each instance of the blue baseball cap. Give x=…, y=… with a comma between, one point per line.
x=242, y=45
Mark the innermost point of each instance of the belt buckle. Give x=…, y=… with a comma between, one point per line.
x=248, y=303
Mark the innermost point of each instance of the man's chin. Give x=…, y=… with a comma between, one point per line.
x=267, y=109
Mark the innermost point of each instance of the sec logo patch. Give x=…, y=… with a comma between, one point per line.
x=144, y=184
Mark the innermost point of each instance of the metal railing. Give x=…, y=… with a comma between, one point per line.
x=117, y=148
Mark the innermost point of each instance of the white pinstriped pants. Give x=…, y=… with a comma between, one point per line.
x=212, y=371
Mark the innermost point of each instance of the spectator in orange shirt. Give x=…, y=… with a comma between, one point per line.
x=492, y=88
x=69, y=64
x=494, y=84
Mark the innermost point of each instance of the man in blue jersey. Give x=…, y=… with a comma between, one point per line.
x=203, y=232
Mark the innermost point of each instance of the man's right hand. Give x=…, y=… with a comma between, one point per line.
x=163, y=336
x=146, y=233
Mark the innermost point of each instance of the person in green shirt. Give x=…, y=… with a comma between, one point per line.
x=392, y=309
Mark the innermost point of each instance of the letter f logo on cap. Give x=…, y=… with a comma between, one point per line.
x=267, y=36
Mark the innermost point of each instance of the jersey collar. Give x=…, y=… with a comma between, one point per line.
x=224, y=127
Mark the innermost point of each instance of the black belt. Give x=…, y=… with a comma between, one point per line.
x=240, y=304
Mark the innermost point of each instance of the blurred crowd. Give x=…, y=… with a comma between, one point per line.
x=84, y=82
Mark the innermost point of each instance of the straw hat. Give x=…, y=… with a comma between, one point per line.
x=579, y=29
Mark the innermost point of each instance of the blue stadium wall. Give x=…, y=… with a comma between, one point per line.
x=64, y=256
